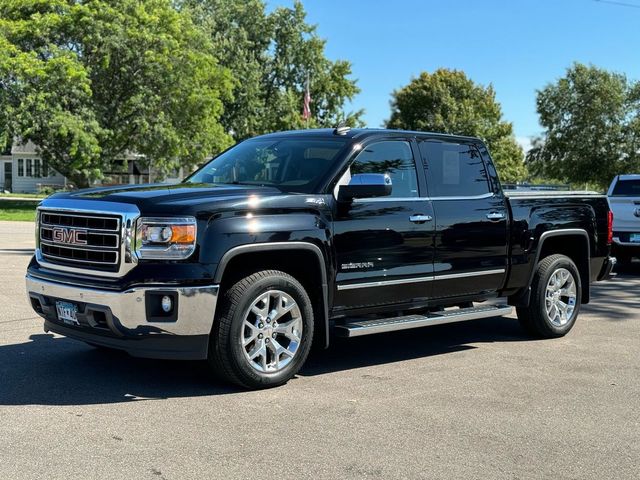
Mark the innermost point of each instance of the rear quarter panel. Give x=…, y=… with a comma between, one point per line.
x=534, y=215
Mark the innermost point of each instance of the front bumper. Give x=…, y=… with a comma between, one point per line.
x=122, y=320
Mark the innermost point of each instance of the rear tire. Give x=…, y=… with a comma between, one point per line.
x=555, y=298
x=263, y=332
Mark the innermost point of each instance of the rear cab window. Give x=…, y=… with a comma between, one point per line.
x=626, y=188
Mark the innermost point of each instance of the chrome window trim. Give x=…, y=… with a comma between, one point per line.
x=511, y=194
x=430, y=278
x=469, y=197
x=389, y=199
x=127, y=213
x=420, y=199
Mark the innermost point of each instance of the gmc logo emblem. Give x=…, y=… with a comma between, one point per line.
x=71, y=236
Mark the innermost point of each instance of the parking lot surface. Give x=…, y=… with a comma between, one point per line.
x=472, y=400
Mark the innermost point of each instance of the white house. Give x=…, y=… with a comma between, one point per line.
x=23, y=171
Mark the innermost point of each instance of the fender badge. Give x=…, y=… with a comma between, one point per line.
x=354, y=266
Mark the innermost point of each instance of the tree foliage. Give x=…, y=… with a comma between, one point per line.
x=89, y=81
x=271, y=56
x=448, y=101
x=592, y=127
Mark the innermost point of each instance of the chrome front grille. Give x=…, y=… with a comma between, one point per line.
x=84, y=240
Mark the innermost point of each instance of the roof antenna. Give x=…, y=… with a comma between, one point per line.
x=341, y=129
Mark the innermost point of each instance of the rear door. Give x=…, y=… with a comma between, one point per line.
x=471, y=220
x=384, y=246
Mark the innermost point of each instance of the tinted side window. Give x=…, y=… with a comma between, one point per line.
x=393, y=158
x=454, y=169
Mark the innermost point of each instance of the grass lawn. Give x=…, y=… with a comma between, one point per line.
x=17, y=210
x=23, y=195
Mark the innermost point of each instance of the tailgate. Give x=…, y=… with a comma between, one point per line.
x=626, y=213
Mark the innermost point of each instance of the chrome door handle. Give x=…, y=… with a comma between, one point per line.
x=496, y=216
x=419, y=218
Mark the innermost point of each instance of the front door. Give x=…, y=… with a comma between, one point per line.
x=470, y=221
x=384, y=246
x=7, y=176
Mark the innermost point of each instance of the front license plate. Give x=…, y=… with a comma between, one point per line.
x=67, y=313
x=634, y=238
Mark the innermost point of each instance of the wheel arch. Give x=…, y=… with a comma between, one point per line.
x=244, y=258
x=574, y=243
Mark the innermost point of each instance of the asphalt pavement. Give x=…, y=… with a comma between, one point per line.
x=473, y=400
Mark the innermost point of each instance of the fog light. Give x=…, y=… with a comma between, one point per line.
x=167, y=304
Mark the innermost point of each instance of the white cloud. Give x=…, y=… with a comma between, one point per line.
x=525, y=143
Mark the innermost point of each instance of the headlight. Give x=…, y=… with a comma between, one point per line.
x=165, y=238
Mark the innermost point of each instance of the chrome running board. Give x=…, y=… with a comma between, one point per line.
x=357, y=328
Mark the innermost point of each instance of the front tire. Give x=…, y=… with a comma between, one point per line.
x=555, y=298
x=263, y=333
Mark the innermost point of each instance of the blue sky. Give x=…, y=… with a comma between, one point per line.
x=518, y=46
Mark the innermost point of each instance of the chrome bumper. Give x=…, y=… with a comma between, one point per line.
x=607, y=268
x=617, y=241
x=120, y=319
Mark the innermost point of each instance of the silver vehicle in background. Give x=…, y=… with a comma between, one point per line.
x=624, y=201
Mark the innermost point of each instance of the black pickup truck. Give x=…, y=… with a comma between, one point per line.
x=287, y=239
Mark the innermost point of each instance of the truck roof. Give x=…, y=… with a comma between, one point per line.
x=361, y=133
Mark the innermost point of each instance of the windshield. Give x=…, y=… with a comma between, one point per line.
x=289, y=164
x=626, y=188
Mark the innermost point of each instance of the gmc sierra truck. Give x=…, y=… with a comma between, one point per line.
x=290, y=238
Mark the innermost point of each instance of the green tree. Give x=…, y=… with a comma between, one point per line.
x=271, y=56
x=592, y=127
x=90, y=81
x=448, y=101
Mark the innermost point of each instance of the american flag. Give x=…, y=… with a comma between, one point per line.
x=306, y=108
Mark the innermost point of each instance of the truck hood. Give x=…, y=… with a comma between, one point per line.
x=200, y=200
x=168, y=198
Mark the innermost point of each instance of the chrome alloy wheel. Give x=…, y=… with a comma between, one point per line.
x=271, y=331
x=560, y=297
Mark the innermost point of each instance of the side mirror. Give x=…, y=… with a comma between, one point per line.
x=365, y=185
